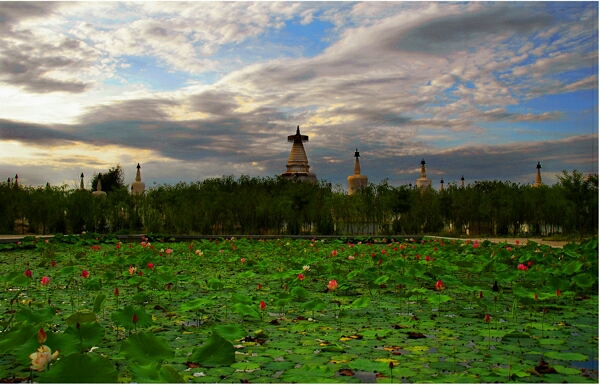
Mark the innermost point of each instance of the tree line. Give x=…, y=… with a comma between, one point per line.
x=272, y=205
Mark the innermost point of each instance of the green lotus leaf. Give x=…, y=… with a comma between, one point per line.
x=567, y=356
x=215, y=284
x=124, y=317
x=81, y=317
x=144, y=348
x=155, y=373
x=33, y=317
x=245, y=365
x=230, y=332
x=217, y=351
x=361, y=302
x=314, y=305
x=92, y=283
x=81, y=368
x=299, y=292
x=240, y=298
x=99, y=302
x=88, y=334
x=198, y=304
x=584, y=281
x=245, y=310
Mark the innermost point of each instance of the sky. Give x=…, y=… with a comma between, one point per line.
x=204, y=89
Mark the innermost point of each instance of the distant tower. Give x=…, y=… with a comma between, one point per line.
x=16, y=180
x=98, y=191
x=462, y=181
x=297, y=165
x=138, y=187
x=423, y=181
x=356, y=181
x=538, y=176
x=81, y=185
x=442, y=185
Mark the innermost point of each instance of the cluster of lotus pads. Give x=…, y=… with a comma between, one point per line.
x=90, y=309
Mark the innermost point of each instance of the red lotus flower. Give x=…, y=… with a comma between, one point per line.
x=529, y=263
x=243, y=260
x=45, y=281
x=263, y=305
x=27, y=273
x=427, y=258
x=332, y=285
x=301, y=277
x=96, y=247
x=41, y=336
x=150, y=265
x=134, y=319
x=85, y=274
x=487, y=318
x=417, y=256
x=259, y=287
x=53, y=263
x=535, y=296
x=558, y=292
x=140, y=273
x=522, y=267
x=517, y=241
x=475, y=245
x=480, y=294
x=379, y=262
x=383, y=251
x=116, y=291
x=169, y=251
x=439, y=285
x=334, y=253
x=373, y=255
x=118, y=246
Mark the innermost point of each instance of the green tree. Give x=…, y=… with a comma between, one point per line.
x=110, y=181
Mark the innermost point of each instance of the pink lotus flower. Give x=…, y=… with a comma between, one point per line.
x=332, y=285
x=131, y=270
x=522, y=267
x=351, y=257
x=334, y=253
x=85, y=274
x=383, y=251
x=439, y=285
x=45, y=281
x=150, y=265
x=27, y=273
x=243, y=260
x=427, y=258
x=169, y=251
x=301, y=277
x=41, y=358
x=263, y=305
x=41, y=336
x=509, y=248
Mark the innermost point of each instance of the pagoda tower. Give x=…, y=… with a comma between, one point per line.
x=442, y=185
x=538, y=176
x=297, y=165
x=356, y=181
x=81, y=186
x=138, y=187
x=423, y=181
x=99, y=192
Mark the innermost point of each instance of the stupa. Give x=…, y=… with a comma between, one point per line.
x=297, y=165
x=81, y=185
x=423, y=181
x=442, y=185
x=462, y=181
x=16, y=180
x=99, y=192
x=356, y=181
x=138, y=187
x=538, y=176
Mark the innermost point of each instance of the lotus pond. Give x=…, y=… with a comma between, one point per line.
x=283, y=310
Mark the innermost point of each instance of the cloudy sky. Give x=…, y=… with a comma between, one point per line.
x=200, y=90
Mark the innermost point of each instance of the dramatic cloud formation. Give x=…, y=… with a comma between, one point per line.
x=199, y=90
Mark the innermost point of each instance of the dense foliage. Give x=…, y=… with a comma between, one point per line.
x=77, y=309
x=276, y=206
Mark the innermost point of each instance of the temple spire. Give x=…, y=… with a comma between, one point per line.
x=297, y=165
x=356, y=181
x=538, y=176
x=81, y=185
x=138, y=187
x=423, y=181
